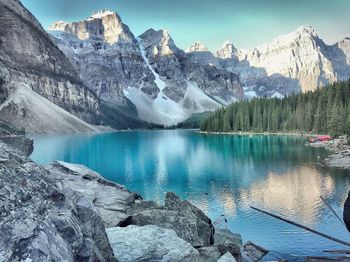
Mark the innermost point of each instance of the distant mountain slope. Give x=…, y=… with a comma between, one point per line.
x=27, y=110
x=149, y=71
x=299, y=61
x=30, y=60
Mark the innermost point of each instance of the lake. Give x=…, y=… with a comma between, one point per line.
x=222, y=175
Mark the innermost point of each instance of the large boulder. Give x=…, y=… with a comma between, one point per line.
x=40, y=221
x=188, y=228
x=189, y=222
x=111, y=200
x=150, y=243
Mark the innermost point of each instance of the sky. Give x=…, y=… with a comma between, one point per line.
x=247, y=23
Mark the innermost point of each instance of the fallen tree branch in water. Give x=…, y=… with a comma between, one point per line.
x=303, y=227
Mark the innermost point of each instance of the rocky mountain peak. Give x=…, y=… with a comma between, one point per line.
x=227, y=51
x=160, y=40
x=101, y=13
x=58, y=26
x=306, y=29
x=103, y=25
x=197, y=47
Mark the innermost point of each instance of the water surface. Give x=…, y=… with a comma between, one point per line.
x=222, y=175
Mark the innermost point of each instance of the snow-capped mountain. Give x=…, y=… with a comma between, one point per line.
x=166, y=84
x=197, y=47
x=36, y=78
x=298, y=61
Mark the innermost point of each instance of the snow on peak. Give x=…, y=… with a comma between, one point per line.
x=58, y=26
x=227, y=43
x=227, y=50
x=197, y=47
x=101, y=13
x=306, y=29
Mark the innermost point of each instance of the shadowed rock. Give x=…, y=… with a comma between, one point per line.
x=189, y=222
x=40, y=221
x=111, y=200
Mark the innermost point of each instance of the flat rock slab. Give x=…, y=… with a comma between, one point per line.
x=111, y=200
x=149, y=243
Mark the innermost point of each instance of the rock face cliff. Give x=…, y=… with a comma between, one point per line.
x=164, y=83
x=40, y=221
x=32, y=66
x=299, y=61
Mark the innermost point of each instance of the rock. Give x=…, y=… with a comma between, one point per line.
x=149, y=243
x=111, y=200
x=189, y=222
x=188, y=228
x=25, y=145
x=253, y=252
x=227, y=258
x=40, y=221
x=209, y=254
x=226, y=241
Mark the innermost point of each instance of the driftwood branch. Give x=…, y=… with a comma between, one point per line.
x=333, y=211
x=303, y=227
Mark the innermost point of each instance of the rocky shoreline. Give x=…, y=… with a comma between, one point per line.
x=340, y=158
x=67, y=212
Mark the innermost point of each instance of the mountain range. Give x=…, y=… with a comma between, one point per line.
x=81, y=75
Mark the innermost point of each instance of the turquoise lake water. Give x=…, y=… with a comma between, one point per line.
x=222, y=175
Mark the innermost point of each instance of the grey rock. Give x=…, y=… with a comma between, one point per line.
x=227, y=258
x=25, y=145
x=209, y=254
x=252, y=252
x=110, y=199
x=40, y=221
x=226, y=241
x=189, y=222
x=187, y=228
x=149, y=243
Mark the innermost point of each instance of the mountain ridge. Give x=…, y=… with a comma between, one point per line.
x=150, y=63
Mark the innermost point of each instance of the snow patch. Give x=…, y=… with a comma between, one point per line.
x=197, y=101
x=250, y=94
x=165, y=111
x=100, y=14
x=277, y=95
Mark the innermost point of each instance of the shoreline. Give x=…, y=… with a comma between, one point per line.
x=257, y=133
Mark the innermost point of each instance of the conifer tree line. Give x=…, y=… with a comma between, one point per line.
x=324, y=111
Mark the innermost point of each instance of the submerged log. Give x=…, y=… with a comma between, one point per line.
x=303, y=227
x=333, y=211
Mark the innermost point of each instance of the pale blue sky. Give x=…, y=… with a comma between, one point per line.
x=247, y=23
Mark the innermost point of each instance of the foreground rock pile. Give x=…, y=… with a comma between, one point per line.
x=40, y=221
x=67, y=212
